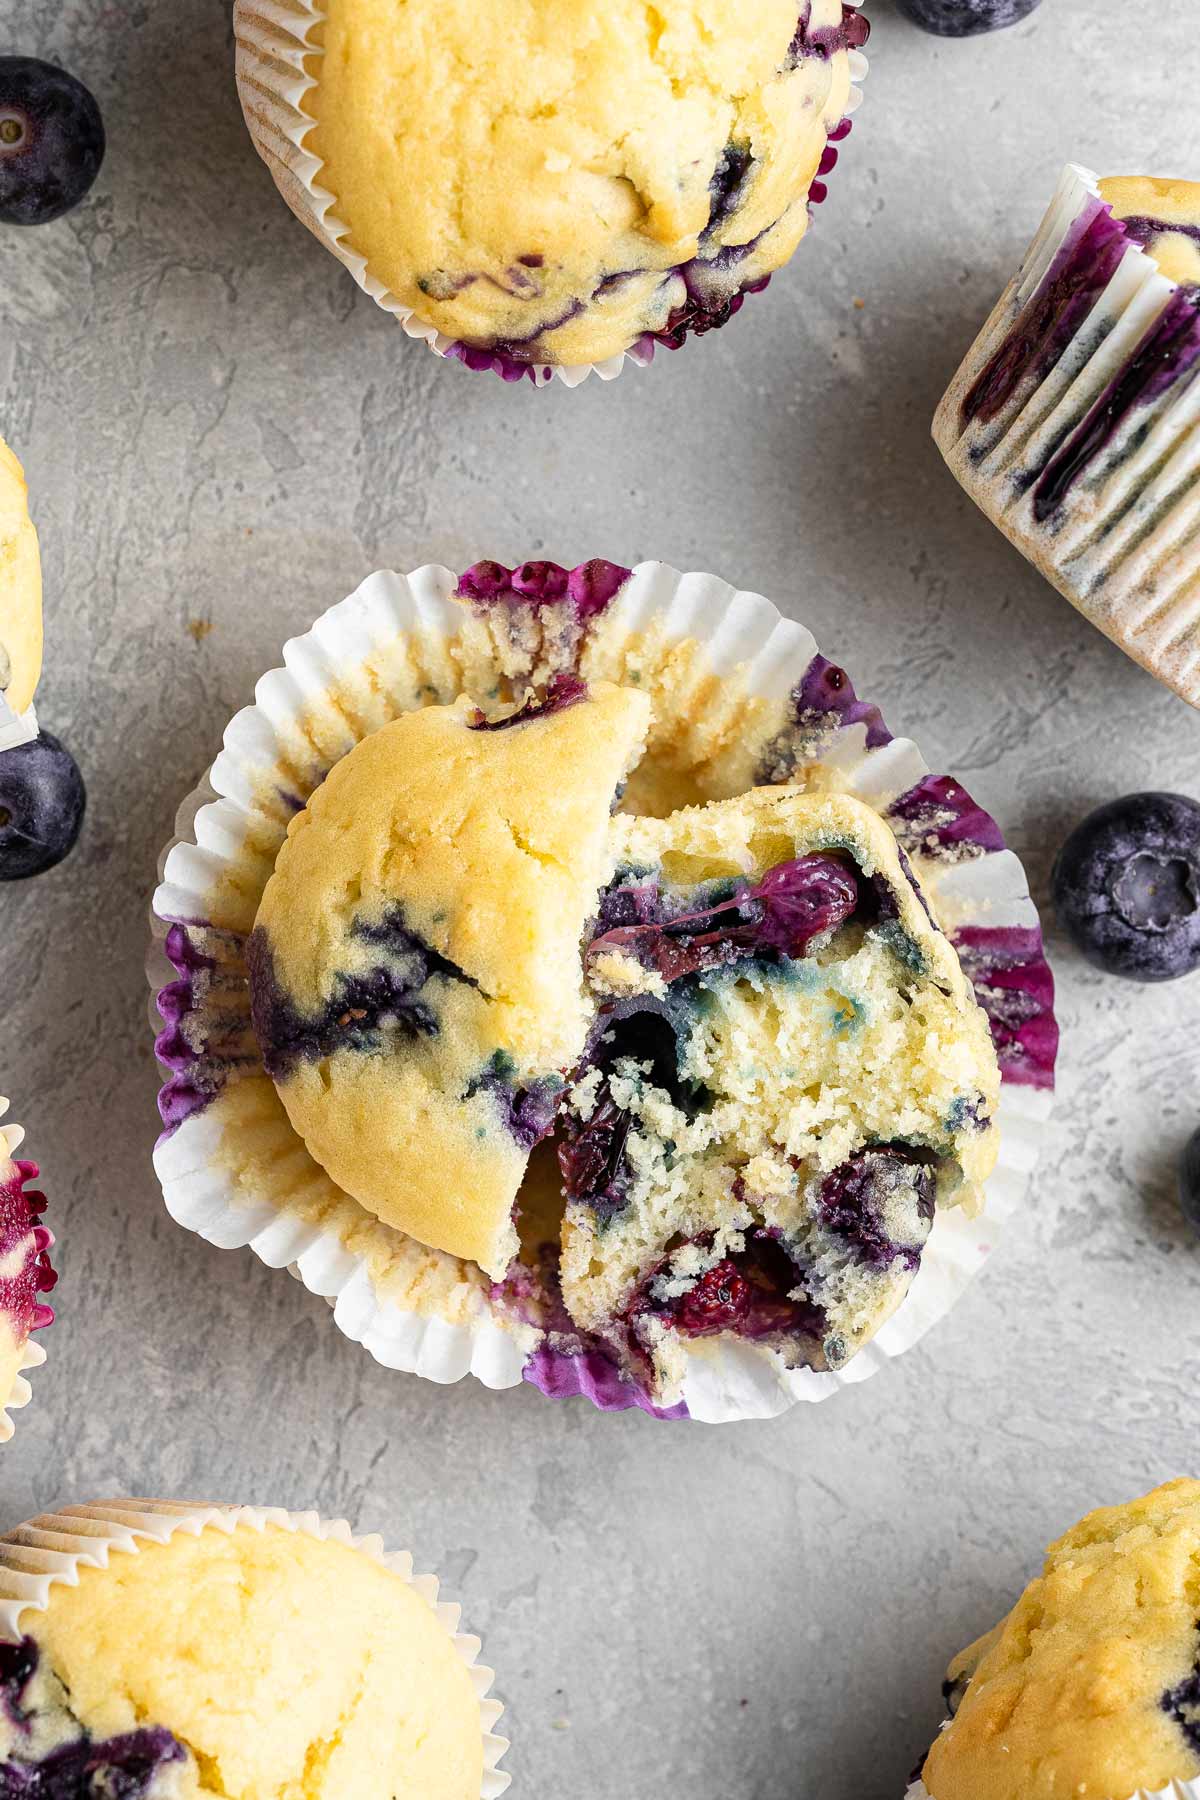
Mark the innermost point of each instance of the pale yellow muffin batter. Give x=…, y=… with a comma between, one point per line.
x=1171, y=209
x=556, y=179
x=285, y=1667
x=20, y=588
x=1090, y=1686
x=415, y=961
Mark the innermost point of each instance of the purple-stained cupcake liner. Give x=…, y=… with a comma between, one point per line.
x=56, y=1546
x=273, y=47
x=1074, y=423
x=506, y=1333
x=25, y=1245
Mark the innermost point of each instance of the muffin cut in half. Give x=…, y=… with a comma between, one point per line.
x=761, y=1062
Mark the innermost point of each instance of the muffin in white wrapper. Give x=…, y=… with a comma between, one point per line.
x=279, y=47
x=81, y=1657
x=25, y=1274
x=1074, y=420
x=741, y=697
x=1176, y=1790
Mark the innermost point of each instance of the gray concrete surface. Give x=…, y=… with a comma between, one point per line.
x=219, y=427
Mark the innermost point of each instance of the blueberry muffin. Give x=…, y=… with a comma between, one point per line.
x=786, y=1076
x=25, y=1272
x=1091, y=1684
x=322, y=1078
x=1074, y=421
x=20, y=590
x=417, y=992
x=231, y=1658
x=564, y=184
x=761, y=1059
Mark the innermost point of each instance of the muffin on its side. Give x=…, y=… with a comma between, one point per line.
x=560, y=184
x=1074, y=421
x=787, y=1075
x=1091, y=1684
x=178, y=1653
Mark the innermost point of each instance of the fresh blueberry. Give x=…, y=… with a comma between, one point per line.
x=1189, y=1181
x=966, y=18
x=51, y=141
x=42, y=799
x=1127, y=887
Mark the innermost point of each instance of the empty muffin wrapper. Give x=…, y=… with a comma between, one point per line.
x=54, y=1547
x=274, y=40
x=1074, y=423
x=233, y=1170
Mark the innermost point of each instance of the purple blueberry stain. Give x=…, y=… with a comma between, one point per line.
x=561, y=691
x=939, y=818
x=853, y=1199
x=397, y=996
x=85, y=1768
x=588, y=589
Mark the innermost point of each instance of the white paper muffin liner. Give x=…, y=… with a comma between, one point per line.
x=12, y=1136
x=54, y=1547
x=978, y=890
x=1120, y=538
x=272, y=45
x=16, y=728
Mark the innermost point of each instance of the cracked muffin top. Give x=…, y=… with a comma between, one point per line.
x=268, y=1664
x=20, y=588
x=1091, y=1684
x=414, y=966
x=558, y=181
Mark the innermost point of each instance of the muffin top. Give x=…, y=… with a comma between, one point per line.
x=20, y=588
x=415, y=975
x=1164, y=216
x=557, y=180
x=1091, y=1685
x=267, y=1664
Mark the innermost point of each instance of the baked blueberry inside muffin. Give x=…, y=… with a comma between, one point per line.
x=757, y=1054
x=787, y=1072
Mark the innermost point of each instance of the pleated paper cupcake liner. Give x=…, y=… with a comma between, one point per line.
x=1074, y=423
x=274, y=43
x=29, y=1355
x=16, y=728
x=233, y=1170
x=54, y=1547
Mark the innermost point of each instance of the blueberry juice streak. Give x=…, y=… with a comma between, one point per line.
x=1063, y=303
x=80, y=1767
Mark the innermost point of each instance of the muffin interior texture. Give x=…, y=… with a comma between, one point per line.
x=786, y=1074
x=267, y=1665
x=562, y=182
x=1091, y=1684
x=756, y=1053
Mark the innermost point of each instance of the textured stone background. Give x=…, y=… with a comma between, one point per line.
x=217, y=426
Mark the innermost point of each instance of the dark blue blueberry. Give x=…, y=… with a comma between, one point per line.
x=854, y=1196
x=1127, y=887
x=1182, y=1703
x=966, y=18
x=1189, y=1181
x=42, y=798
x=51, y=141
x=120, y=1768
